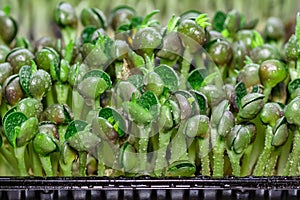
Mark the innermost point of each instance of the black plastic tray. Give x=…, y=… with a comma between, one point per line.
x=149, y=188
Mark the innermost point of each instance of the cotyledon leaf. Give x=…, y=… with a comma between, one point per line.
x=196, y=78
x=294, y=85
x=201, y=100
x=115, y=118
x=12, y=126
x=24, y=75
x=168, y=76
x=240, y=92
x=137, y=81
x=100, y=74
x=149, y=101
x=74, y=127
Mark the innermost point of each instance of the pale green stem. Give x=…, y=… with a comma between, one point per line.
x=295, y=155
x=191, y=144
x=143, y=146
x=204, y=156
x=283, y=164
x=178, y=145
x=66, y=168
x=9, y=157
x=161, y=161
x=82, y=163
x=20, y=156
x=218, y=153
x=47, y=166
x=246, y=167
x=271, y=164
x=263, y=158
x=62, y=92
x=235, y=162
x=77, y=104
x=101, y=164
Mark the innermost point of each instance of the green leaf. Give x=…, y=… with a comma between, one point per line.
x=248, y=60
x=149, y=101
x=24, y=76
x=136, y=22
x=190, y=98
x=137, y=81
x=201, y=100
x=44, y=144
x=12, y=126
x=100, y=74
x=123, y=28
x=33, y=66
x=74, y=127
x=218, y=21
x=168, y=76
x=240, y=92
x=182, y=168
x=196, y=78
x=148, y=16
x=13, y=109
x=210, y=78
x=257, y=39
x=137, y=112
x=27, y=132
x=84, y=141
x=202, y=20
x=6, y=9
x=87, y=34
x=225, y=33
x=172, y=23
x=294, y=85
x=115, y=118
x=152, y=22
x=255, y=89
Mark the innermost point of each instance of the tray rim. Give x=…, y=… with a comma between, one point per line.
x=150, y=183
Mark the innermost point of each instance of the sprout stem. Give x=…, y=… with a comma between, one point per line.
x=161, y=161
x=267, y=92
x=185, y=68
x=47, y=166
x=9, y=157
x=235, y=162
x=54, y=159
x=36, y=163
x=101, y=164
x=82, y=163
x=271, y=164
x=218, y=153
x=263, y=159
x=191, y=144
x=20, y=156
x=204, y=156
x=295, y=154
x=283, y=165
x=143, y=146
x=77, y=104
x=66, y=168
x=246, y=168
x=62, y=92
x=49, y=98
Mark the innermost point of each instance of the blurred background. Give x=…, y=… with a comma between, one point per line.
x=35, y=17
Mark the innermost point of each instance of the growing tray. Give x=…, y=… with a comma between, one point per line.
x=149, y=188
